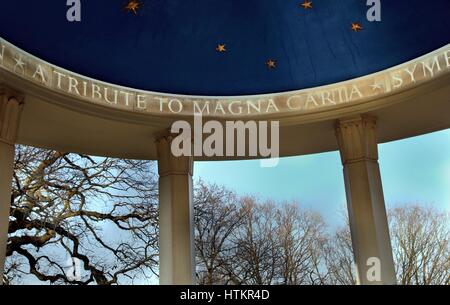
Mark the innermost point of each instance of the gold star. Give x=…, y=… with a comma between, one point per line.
x=356, y=27
x=221, y=48
x=307, y=4
x=133, y=6
x=271, y=64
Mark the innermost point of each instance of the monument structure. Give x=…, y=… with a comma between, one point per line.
x=112, y=84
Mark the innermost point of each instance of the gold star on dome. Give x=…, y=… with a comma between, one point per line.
x=271, y=64
x=221, y=48
x=356, y=27
x=307, y=4
x=133, y=6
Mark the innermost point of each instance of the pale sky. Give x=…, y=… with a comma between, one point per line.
x=414, y=170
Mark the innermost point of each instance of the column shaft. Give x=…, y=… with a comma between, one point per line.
x=10, y=109
x=365, y=201
x=176, y=229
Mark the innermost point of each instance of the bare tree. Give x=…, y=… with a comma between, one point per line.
x=421, y=245
x=242, y=241
x=339, y=258
x=99, y=211
x=255, y=256
x=217, y=216
x=420, y=238
x=302, y=239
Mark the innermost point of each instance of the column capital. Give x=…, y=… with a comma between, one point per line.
x=168, y=164
x=11, y=104
x=357, y=139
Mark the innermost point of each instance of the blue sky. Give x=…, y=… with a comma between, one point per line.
x=414, y=171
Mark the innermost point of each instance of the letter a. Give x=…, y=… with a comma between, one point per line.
x=181, y=144
x=374, y=13
x=374, y=272
x=74, y=12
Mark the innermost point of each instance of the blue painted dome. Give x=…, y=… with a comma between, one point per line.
x=170, y=45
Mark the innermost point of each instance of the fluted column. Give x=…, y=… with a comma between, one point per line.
x=176, y=228
x=365, y=201
x=10, y=110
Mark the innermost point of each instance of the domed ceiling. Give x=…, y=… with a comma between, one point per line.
x=228, y=47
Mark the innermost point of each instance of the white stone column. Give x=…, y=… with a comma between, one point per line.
x=365, y=201
x=176, y=228
x=10, y=109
